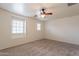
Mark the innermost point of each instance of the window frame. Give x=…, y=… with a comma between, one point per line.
x=17, y=19
x=38, y=26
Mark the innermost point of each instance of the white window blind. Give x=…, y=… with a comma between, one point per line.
x=18, y=26
x=38, y=26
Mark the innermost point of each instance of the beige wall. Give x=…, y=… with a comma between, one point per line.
x=64, y=29
x=32, y=32
x=6, y=39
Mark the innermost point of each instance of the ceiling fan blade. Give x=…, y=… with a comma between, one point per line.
x=70, y=4
x=48, y=13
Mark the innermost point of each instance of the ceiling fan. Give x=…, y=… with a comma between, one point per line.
x=70, y=4
x=43, y=13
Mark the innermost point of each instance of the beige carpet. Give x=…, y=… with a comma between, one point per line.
x=42, y=48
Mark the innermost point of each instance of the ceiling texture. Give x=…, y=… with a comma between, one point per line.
x=59, y=10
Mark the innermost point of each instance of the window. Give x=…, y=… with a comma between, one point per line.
x=18, y=26
x=38, y=26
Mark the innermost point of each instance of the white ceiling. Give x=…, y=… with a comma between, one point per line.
x=31, y=9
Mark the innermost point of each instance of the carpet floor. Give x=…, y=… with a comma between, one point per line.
x=42, y=48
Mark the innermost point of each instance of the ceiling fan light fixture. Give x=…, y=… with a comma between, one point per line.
x=43, y=16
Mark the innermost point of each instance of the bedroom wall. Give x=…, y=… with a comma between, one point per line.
x=6, y=37
x=64, y=29
x=32, y=32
